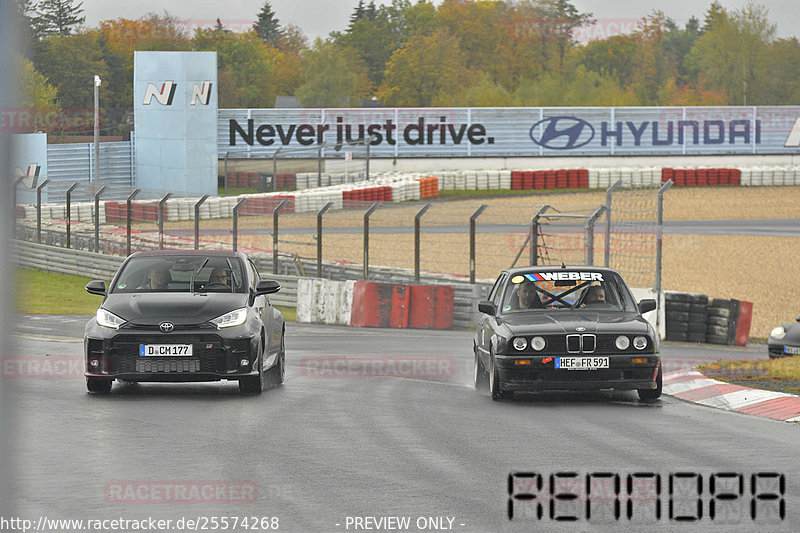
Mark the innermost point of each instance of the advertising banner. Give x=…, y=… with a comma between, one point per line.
x=517, y=132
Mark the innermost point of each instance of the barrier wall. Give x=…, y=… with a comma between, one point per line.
x=324, y=301
x=384, y=305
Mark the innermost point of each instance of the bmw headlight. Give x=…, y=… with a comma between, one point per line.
x=107, y=319
x=640, y=343
x=538, y=343
x=233, y=318
x=778, y=333
x=520, y=343
x=622, y=342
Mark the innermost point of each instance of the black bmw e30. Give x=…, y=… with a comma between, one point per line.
x=559, y=328
x=178, y=316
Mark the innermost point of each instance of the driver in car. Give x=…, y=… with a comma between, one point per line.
x=527, y=298
x=595, y=294
x=218, y=275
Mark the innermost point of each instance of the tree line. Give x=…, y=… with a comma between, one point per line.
x=461, y=53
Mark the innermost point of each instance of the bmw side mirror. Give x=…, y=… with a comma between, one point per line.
x=97, y=287
x=645, y=306
x=267, y=287
x=487, y=307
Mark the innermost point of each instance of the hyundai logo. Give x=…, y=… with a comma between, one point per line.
x=562, y=133
x=166, y=327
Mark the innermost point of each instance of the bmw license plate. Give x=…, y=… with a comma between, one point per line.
x=581, y=363
x=794, y=350
x=168, y=350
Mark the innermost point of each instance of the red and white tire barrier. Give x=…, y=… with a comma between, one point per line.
x=692, y=386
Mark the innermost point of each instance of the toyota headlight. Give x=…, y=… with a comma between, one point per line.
x=107, y=319
x=233, y=318
x=778, y=333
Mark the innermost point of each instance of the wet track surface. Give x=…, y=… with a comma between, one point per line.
x=341, y=439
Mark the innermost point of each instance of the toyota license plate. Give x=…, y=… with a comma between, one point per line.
x=165, y=350
x=581, y=363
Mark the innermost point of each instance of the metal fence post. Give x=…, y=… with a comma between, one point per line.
x=417, y=219
x=590, y=234
x=39, y=210
x=319, y=164
x=275, y=214
x=659, y=241
x=533, y=236
x=128, y=201
x=236, y=209
x=69, y=212
x=472, y=222
x=14, y=204
x=161, y=220
x=369, y=212
x=225, y=178
x=275, y=167
x=197, y=221
x=319, y=236
x=609, y=194
x=97, y=218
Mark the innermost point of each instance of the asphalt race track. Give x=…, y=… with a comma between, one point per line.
x=373, y=424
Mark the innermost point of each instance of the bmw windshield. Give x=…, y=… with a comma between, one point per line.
x=567, y=290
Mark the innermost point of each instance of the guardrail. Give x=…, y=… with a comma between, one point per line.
x=102, y=266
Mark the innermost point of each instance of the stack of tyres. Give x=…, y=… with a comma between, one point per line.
x=677, y=307
x=698, y=315
x=718, y=328
x=686, y=316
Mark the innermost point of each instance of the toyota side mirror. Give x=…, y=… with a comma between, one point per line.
x=97, y=287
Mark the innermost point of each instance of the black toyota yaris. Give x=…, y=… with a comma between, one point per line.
x=178, y=316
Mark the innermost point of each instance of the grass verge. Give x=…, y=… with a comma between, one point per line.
x=49, y=293
x=785, y=368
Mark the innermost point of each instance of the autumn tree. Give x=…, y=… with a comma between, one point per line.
x=35, y=91
x=335, y=76
x=375, y=34
x=733, y=54
x=245, y=67
x=70, y=63
x=783, y=71
x=427, y=72
x=575, y=87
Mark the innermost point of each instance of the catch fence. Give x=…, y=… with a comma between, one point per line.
x=456, y=239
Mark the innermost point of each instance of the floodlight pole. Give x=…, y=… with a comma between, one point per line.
x=97, y=82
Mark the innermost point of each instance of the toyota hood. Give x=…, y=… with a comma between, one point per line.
x=178, y=308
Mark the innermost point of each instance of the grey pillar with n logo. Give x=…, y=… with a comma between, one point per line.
x=175, y=112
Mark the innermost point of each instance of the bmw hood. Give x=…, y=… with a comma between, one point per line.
x=549, y=322
x=179, y=308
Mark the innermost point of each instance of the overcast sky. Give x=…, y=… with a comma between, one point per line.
x=317, y=18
